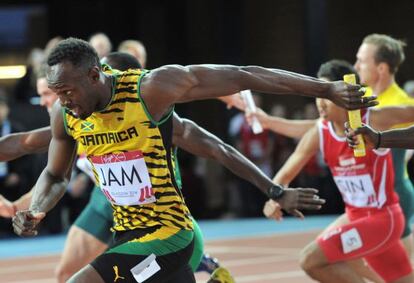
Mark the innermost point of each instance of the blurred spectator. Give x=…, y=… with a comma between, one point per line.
x=25, y=88
x=282, y=145
x=136, y=49
x=101, y=43
x=51, y=44
x=409, y=88
x=9, y=176
x=194, y=189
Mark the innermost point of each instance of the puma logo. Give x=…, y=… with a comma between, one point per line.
x=116, y=274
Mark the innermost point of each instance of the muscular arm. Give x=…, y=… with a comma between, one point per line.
x=51, y=184
x=307, y=147
x=18, y=144
x=398, y=138
x=171, y=84
x=194, y=139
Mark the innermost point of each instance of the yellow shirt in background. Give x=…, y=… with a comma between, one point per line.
x=393, y=96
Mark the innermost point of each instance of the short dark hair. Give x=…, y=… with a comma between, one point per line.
x=76, y=51
x=334, y=70
x=122, y=61
x=389, y=50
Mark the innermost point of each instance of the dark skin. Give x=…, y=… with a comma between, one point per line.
x=85, y=90
x=168, y=85
x=397, y=138
x=174, y=84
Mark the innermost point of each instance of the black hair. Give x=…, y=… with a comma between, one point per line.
x=122, y=61
x=334, y=70
x=76, y=51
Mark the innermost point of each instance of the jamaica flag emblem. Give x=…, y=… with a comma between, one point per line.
x=87, y=126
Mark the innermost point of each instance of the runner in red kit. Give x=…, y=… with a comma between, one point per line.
x=367, y=188
x=366, y=184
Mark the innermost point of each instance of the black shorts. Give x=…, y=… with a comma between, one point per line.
x=155, y=261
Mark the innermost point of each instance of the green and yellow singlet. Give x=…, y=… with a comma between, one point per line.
x=131, y=157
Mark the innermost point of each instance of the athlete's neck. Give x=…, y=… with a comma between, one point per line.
x=106, y=92
x=339, y=126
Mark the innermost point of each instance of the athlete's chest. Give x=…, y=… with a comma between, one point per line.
x=113, y=131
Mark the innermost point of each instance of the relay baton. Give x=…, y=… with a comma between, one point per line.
x=355, y=121
x=248, y=100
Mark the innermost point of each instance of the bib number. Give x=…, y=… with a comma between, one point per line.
x=357, y=190
x=351, y=240
x=124, y=178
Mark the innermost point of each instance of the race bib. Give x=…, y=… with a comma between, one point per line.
x=357, y=190
x=351, y=240
x=145, y=269
x=124, y=178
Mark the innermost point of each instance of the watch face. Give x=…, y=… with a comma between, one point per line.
x=275, y=192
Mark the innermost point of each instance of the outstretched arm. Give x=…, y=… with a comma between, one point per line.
x=190, y=137
x=167, y=85
x=16, y=145
x=383, y=119
x=51, y=184
x=13, y=146
x=286, y=127
x=399, y=138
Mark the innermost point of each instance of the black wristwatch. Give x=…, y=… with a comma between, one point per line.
x=275, y=192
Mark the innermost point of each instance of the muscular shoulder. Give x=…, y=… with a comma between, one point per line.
x=169, y=75
x=167, y=71
x=162, y=87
